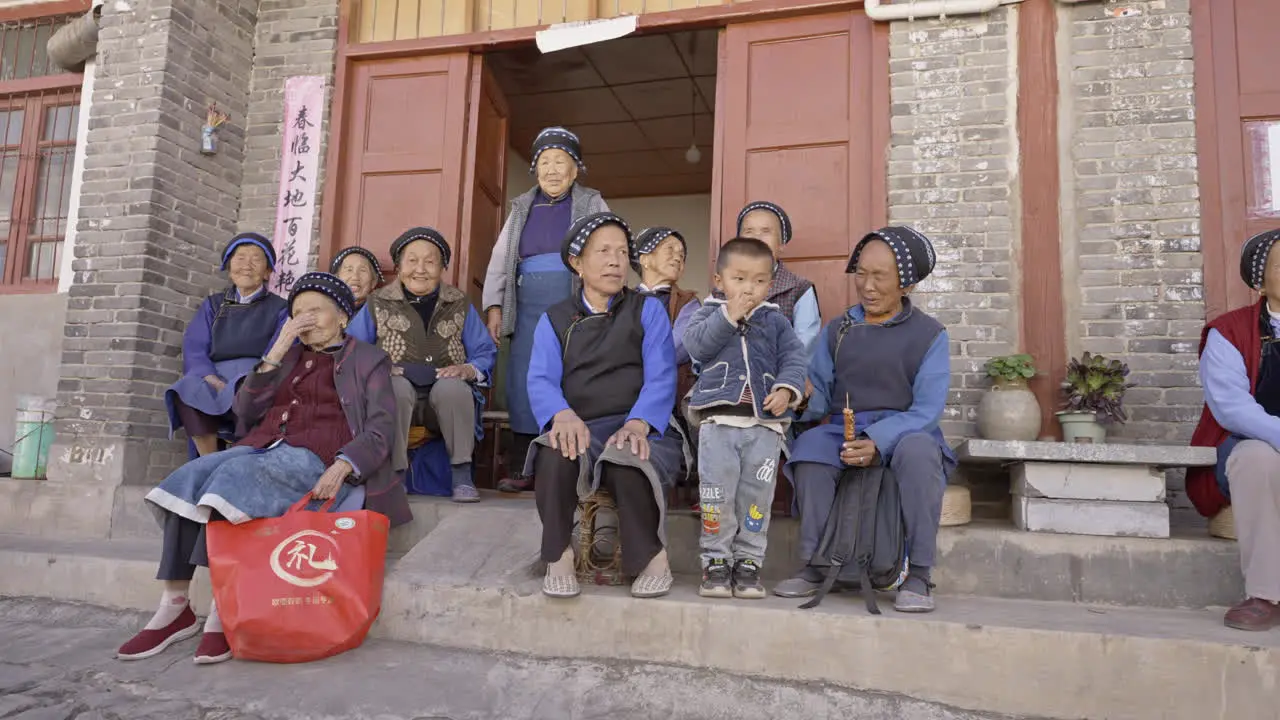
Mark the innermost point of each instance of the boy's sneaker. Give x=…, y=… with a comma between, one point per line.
x=746, y=581
x=716, y=582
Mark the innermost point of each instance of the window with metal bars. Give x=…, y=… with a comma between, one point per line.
x=39, y=117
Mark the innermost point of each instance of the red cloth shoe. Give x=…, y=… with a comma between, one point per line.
x=1253, y=614
x=213, y=649
x=516, y=484
x=149, y=643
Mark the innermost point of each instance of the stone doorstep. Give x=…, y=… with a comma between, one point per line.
x=1013, y=451
x=1075, y=481
x=1086, y=517
x=1023, y=658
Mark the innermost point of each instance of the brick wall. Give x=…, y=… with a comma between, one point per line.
x=154, y=214
x=1134, y=233
x=951, y=165
x=294, y=37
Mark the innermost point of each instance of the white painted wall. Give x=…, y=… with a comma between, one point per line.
x=690, y=214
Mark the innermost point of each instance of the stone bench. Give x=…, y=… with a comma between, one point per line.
x=1087, y=489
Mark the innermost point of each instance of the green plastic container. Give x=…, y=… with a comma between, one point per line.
x=32, y=437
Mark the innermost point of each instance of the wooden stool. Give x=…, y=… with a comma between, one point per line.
x=957, y=506
x=1223, y=525
x=607, y=571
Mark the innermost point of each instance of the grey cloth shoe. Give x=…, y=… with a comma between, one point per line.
x=913, y=602
x=466, y=494
x=802, y=585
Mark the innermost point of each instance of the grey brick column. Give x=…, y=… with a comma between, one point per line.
x=294, y=37
x=154, y=215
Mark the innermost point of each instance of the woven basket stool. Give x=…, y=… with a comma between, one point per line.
x=957, y=506
x=1223, y=525
x=596, y=562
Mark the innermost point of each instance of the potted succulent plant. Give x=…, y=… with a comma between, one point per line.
x=1093, y=394
x=1009, y=410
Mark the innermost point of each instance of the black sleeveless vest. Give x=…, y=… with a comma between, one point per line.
x=242, y=330
x=1267, y=390
x=876, y=365
x=601, y=354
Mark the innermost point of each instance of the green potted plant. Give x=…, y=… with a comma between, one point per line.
x=1093, y=394
x=1009, y=410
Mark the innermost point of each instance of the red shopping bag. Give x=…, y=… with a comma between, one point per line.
x=300, y=587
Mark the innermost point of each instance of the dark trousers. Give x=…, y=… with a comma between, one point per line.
x=517, y=451
x=556, y=493
x=198, y=423
x=183, y=547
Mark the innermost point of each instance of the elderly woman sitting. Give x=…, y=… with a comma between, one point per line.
x=359, y=269
x=1240, y=372
x=319, y=417
x=891, y=363
x=224, y=341
x=602, y=383
x=440, y=348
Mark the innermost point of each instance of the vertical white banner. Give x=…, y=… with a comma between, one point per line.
x=299, y=176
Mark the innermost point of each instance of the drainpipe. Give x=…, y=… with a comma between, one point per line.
x=914, y=10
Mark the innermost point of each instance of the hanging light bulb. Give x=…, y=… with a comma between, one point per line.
x=693, y=155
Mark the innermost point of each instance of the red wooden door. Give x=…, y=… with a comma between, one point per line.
x=401, y=153
x=802, y=120
x=1238, y=96
x=485, y=185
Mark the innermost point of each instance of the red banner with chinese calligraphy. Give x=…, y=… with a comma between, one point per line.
x=299, y=176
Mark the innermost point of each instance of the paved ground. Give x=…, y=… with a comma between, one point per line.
x=56, y=663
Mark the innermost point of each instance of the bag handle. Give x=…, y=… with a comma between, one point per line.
x=306, y=500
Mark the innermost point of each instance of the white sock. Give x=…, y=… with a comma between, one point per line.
x=172, y=603
x=213, y=624
x=563, y=566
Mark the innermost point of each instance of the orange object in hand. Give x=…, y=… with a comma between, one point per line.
x=849, y=426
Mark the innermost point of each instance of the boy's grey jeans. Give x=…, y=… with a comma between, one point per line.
x=737, y=469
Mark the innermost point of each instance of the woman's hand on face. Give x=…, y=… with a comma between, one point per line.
x=332, y=479
x=634, y=433
x=569, y=434
x=494, y=320
x=289, y=332
x=459, y=372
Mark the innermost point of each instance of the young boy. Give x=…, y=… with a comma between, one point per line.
x=753, y=371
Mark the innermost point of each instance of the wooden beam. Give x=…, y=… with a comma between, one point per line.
x=1043, y=319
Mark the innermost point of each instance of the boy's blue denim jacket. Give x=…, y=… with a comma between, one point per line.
x=762, y=349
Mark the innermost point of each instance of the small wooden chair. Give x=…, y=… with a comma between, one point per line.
x=592, y=568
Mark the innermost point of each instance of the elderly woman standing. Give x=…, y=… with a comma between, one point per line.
x=320, y=414
x=794, y=295
x=526, y=275
x=359, y=269
x=441, y=352
x=602, y=384
x=1240, y=373
x=224, y=341
x=891, y=363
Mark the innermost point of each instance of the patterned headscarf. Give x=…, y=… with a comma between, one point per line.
x=913, y=252
x=1253, y=258
x=345, y=252
x=329, y=285
x=649, y=239
x=783, y=220
x=560, y=139
x=249, y=238
x=431, y=235
x=576, y=239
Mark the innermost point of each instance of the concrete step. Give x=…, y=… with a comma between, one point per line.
x=472, y=583
x=985, y=558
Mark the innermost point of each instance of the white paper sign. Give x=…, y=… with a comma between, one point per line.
x=584, y=32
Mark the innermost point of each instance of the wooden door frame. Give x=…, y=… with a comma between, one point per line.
x=721, y=16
